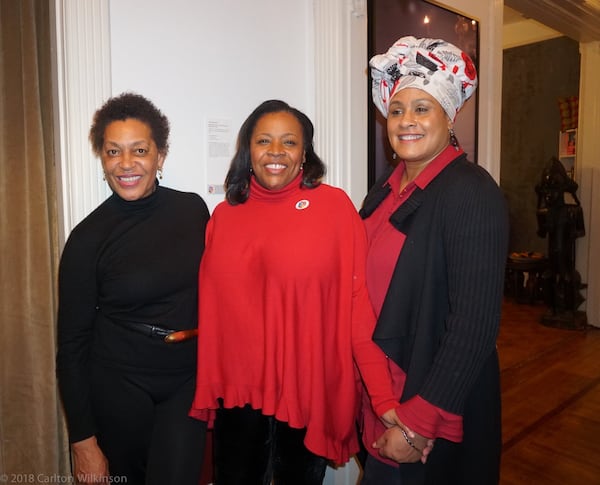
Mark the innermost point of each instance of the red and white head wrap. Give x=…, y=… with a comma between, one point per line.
x=433, y=65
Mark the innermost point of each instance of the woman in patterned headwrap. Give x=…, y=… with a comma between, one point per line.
x=437, y=229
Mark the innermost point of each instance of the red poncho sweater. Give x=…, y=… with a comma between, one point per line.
x=284, y=313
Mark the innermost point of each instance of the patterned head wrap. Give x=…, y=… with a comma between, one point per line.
x=433, y=65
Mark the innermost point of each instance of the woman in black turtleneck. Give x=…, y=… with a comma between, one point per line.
x=128, y=279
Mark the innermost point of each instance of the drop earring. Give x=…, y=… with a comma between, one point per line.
x=395, y=155
x=453, y=139
x=160, y=173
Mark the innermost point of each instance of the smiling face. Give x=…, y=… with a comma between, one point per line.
x=276, y=149
x=417, y=126
x=130, y=158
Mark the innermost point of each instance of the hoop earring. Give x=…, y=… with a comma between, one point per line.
x=453, y=139
x=159, y=173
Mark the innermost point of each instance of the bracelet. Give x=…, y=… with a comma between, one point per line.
x=409, y=441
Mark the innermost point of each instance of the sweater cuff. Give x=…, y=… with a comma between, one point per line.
x=383, y=407
x=430, y=421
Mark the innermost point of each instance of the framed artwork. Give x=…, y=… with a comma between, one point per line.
x=388, y=21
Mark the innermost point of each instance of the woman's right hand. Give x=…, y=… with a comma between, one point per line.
x=390, y=418
x=89, y=463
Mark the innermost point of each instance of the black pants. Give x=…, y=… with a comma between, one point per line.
x=379, y=473
x=253, y=449
x=144, y=428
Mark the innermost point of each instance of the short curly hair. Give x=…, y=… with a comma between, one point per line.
x=125, y=106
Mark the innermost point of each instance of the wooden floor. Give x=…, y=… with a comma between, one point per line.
x=550, y=399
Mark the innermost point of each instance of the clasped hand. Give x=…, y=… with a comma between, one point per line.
x=399, y=443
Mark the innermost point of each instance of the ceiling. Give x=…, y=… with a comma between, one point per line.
x=577, y=19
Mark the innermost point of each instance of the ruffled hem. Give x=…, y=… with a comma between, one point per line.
x=338, y=449
x=207, y=415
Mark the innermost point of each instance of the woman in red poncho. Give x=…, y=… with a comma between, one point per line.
x=284, y=312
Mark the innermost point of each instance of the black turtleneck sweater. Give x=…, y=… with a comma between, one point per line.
x=134, y=261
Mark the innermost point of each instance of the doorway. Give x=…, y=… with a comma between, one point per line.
x=536, y=77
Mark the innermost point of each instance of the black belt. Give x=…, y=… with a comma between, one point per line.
x=167, y=334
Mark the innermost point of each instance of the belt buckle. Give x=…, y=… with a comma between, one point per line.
x=160, y=332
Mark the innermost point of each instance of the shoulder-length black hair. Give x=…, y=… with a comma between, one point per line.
x=237, y=181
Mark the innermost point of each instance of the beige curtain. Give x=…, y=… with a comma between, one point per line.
x=32, y=437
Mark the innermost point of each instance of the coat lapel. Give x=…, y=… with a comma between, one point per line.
x=402, y=217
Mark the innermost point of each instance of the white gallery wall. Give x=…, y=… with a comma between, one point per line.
x=207, y=65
